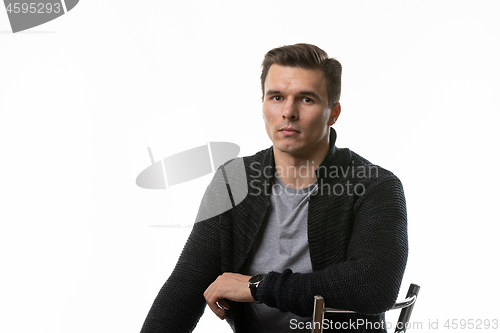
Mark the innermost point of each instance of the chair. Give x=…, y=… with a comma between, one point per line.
x=406, y=305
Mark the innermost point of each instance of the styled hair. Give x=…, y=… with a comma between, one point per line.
x=306, y=56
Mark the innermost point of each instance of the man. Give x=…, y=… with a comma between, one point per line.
x=317, y=220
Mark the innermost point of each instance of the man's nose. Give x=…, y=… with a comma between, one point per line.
x=290, y=110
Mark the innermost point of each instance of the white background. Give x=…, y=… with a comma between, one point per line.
x=83, y=249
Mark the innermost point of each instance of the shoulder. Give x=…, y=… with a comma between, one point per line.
x=260, y=157
x=360, y=167
x=380, y=173
x=230, y=184
x=375, y=189
x=366, y=177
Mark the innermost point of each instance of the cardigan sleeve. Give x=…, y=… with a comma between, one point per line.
x=180, y=302
x=368, y=280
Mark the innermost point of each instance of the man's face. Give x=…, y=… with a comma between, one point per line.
x=295, y=110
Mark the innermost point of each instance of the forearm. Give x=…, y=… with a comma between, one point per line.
x=347, y=285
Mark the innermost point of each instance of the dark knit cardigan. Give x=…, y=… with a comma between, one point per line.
x=357, y=242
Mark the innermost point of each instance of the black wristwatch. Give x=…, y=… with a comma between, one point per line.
x=253, y=283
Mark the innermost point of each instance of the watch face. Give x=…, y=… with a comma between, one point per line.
x=253, y=283
x=257, y=278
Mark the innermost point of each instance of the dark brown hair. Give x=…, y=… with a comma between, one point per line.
x=309, y=57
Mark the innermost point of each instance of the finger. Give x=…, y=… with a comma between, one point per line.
x=223, y=304
x=213, y=300
x=219, y=311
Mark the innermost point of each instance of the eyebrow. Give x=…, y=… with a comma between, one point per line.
x=301, y=93
x=310, y=93
x=273, y=92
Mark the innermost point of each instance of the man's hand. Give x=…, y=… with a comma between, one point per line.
x=228, y=286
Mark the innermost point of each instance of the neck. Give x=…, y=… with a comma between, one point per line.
x=298, y=171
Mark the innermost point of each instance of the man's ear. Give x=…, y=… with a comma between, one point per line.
x=335, y=114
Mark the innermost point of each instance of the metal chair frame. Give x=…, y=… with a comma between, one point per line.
x=406, y=305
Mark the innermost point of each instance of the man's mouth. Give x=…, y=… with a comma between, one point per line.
x=289, y=130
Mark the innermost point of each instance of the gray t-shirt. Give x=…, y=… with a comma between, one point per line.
x=282, y=244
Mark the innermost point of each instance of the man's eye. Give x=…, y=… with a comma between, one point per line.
x=307, y=100
x=277, y=98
